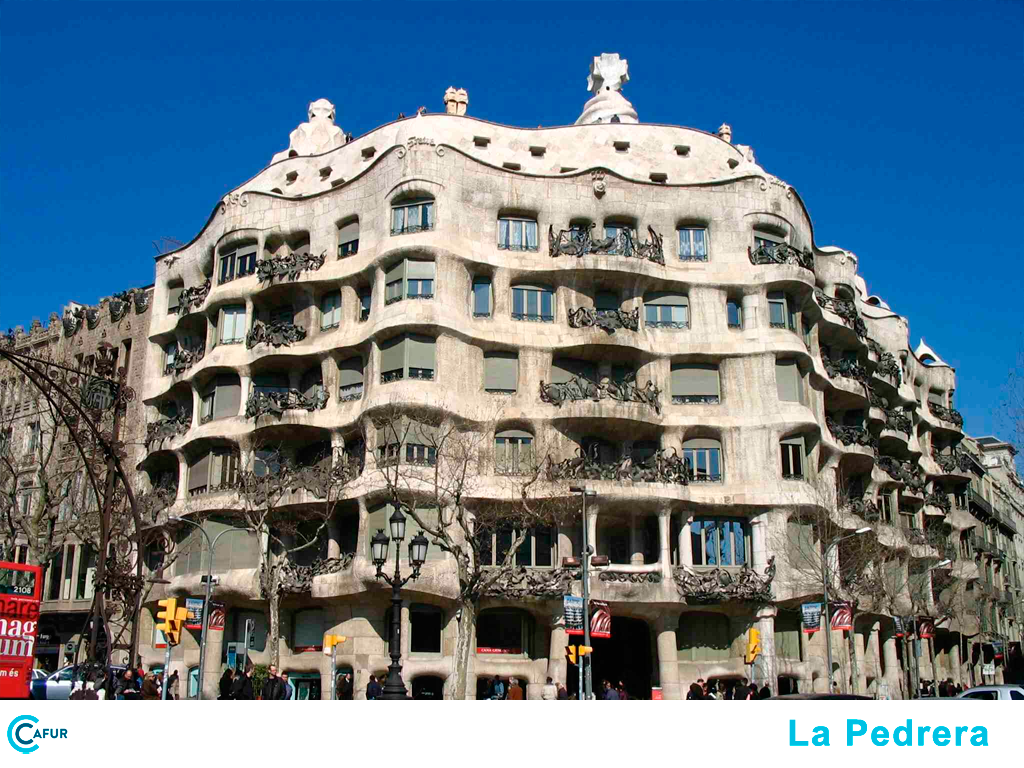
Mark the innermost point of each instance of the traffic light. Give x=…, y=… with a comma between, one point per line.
x=753, y=646
x=570, y=653
x=172, y=617
x=585, y=649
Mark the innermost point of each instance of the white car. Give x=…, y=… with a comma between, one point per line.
x=994, y=693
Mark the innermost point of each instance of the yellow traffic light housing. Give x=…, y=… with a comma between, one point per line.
x=585, y=649
x=753, y=646
x=172, y=618
x=570, y=653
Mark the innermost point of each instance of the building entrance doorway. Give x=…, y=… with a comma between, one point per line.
x=428, y=687
x=625, y=656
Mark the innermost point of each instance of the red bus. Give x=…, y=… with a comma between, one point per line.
x=20, y=592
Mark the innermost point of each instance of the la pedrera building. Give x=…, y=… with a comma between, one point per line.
x=637, y=309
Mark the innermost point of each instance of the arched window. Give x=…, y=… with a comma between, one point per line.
x=415, y=215
x=409, y=279
x=426, y=623
x=221, y=399
x=704, y=459
x=517, y=234
x=695, y=383
x=513, y=452
x=505, y=631
x=535, y=303
x=793, y=451
x=348, y=239
x=693, y=244
x=782, y=312
x=308, y=630
x=721, y=541
x=703, y=637
x=666, y=310
x=350, y=373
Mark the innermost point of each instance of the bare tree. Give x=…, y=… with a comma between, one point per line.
x=438, y=471
x=288, y=506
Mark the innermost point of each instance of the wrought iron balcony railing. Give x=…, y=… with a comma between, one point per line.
x=289, y=265
x=947, y=414
x=193, y=297
x=412, y=228
x=889, y=368
x=846, y=310
x=350, y=393
x=957, y=461
x=582, y=388
x=848, y=435
x=692, y=399
x=277, y=402
x=608, y=320
x=579, y=241
x=848, y=369
x=905, y=472
x=274, y=334
x=939, y=501
x=185, y=358
x=169, y=426
x=659, y=468
x=780, y=253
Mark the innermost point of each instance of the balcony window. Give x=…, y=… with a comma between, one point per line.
x=414, y=216
x=788, y=381
x=792, y=451
x=365, y=302
x=330, y=310
x=517, y=234
x=350, y=376
x=481, y=297
x=420, y=454
x=271, y=383
x=734, y=313
x=237, y=263
x=501, y=372
x=409, y=279
x=409, y=356
x=704, y=459
x=781, y=311
x=535, y=551
x=720, y=541
x=174, y=298
x=170, y=355
x=232, y=324
x=695, y=383
x=666, y=310
x=505, y=631
x=213, y=470
x=513, y=452
x=885, y=505
x=222, y=399
x=348, y=240
x=606, y=301
x=764, y=240
x=533, y=303
x=693, y=244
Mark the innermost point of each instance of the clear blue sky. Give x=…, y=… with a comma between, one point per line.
x=900, y=125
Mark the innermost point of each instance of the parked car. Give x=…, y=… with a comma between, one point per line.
x=994, y=693
x=816, y=696
x=59, y=684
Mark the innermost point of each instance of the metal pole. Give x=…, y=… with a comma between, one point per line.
x=827, y=619
x=394, y=688
x=250, y=625
x=167, y=668
x=585, y=669
x=915, y=673
x=334, y=672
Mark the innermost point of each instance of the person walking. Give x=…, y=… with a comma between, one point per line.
x=610, y=694
x=345, y=688
x=242, y=687
x=515, y=693
x=273, y=689
x=287, y=687
x=550, y=692
x=497, y=689
x=373, y=689
x=224, y=686
x=563, y=693
x=174, y=686
x=696, y=693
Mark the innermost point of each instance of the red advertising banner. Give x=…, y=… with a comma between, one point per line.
x=925, y=627
x=600, y=619
x=842, y=616
x=216, y=616
x=20, y=592
x=499, y=650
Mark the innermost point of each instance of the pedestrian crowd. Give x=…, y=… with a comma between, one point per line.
x=727, y=690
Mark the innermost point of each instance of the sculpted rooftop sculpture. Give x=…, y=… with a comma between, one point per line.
x=315, y=137
x=608, y=73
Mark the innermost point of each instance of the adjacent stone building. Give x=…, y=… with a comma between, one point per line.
x=645, y=305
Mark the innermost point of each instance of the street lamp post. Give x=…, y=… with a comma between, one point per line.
x=394, y=688
x=209, y=586
x=587, y=682
x=824, y=590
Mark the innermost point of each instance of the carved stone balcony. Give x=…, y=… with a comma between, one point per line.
x=161, y=429
x=847, y=369
x=276, y=403
x=579, y=241
x=864, y=508
x=274, y=334
x=957, y=461
x=520, y=583
x=289, y=265
x=185, y=358
x=851, y=435
x=903, y=471
x=608, y=320
x=947, y=414
x=717, y=585
x=846, y=310
x=582, y=388
x=898, y=420
x=659, y=468
x=780, y=253
x=193, y=298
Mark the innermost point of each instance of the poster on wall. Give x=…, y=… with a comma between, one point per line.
x=997, y=649
x=897, y=623
x=810, y=614
x=925, y=627
x=842, y=616
x=600, y=619
x=194, y=606
x=572, y=607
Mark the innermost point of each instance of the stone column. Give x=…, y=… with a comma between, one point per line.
x=182, y=477
x=246, y=388
x=758, y=535
x=636, y=556
x=196, y=407
x=686, y=543
x=668, y=658
x=893, y=670
x=859, y=653
x=751, y=304
x=956, y=671
x=765, y=671
x=593, y=510
x=333, y=538
x=212, y=671
x=664, y=542
x=557, y=664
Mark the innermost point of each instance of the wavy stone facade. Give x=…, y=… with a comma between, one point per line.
x=747, y=357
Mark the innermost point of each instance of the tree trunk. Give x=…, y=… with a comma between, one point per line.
x=463, y=650
x=854, y=669
x=274, y=619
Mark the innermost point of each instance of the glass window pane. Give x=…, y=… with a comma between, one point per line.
x=710, y=547
x=481, y=298
x=699, y=244
x=739, y=544
x=503, y=233
x=517, y=234
x=684, y=243
x=651, y=314
x=524, y=554
x=531, y=234
x=545, y=305
x=714, y=460
x=542, y=547
x=695, y=543
x=428, y=215
x=397, y=219
x=532, y=308
x=725, y=541
x=518, y=299
x=777, y=312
